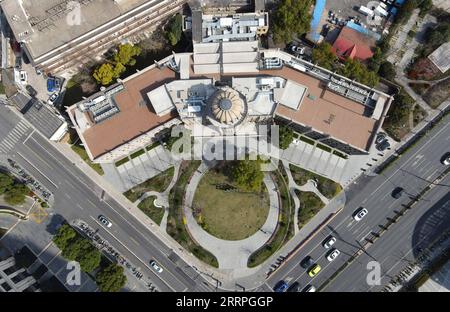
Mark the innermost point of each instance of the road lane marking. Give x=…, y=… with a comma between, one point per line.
x=37, y=169
x=31, y=133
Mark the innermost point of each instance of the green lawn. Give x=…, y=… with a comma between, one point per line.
x=176, y=221
x=232, y=214
x=153, y=212
x=82, y=153
x=158, y=184
x=326, y=186
x=310, y=205
x=285, y=228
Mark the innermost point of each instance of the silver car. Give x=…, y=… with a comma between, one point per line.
x=329, y=242
x=104, y=221
x=360, y=214
x=155, y=266
x=333, y=254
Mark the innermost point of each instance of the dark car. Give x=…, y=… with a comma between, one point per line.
x=383, y=145
x=31, y=91
x=281, y=286
x=445, y=159
x=397, y=192
x=380, y=137
x=306, y=262
x=295, y=287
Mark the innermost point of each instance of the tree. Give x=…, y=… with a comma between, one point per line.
x=89, y=259
x=111, y=279
x=248, y=175
x=104, y=74
x=425, y=6
x=126, y=53
x=387, y=71
x=291, y=17
x=324, y=56
x=5, y=182
x=15, y=195
x=65, y=234
x=439, y=35
x=400, y=108
x=353, y=69
x=375, y=61
x=286, y=137
x=175, y=29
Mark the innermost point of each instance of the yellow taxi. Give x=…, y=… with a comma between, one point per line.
x=314, y=270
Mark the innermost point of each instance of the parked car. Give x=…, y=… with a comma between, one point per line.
x=104, y=221
x=360, y=213
x=397, y=192
x=31, y=91
x=333, y=254
x=314, y=270
x=446, y=159
x=297, y=50
x=155, y=266
x=52, y=99
x=281, y=286
x=23, y=77
x=329, y=242
x=53, y=84
x=306, y=262
x=295, y=287
x=381, y=136
x=383, y=145
x=309, y=288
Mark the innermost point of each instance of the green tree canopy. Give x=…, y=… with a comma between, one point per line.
x=291, y=17
x=387, y=71
x=104, y=74
x=248, y=175
x=324, y=56
x=111, y=279
x=89, y=259
x=126, y=53
x=65, y=234
x=286, y=136
x=354, y=69
x=15, y=195
x=6, y=182
x=175, y=29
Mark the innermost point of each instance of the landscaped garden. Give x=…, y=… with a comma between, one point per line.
x=224, y=210
x=310, y=205
x=285, y=229
x=148, y=207
x=157, y=184
x=327, y=187
x=176, y=223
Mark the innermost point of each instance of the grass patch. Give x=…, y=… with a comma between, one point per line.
x=325, y=186
x=339, y=154
x=285, y=229
x=310, y=205
x=153, y=212
x=306, y=140
x=176, y=222
x=137, y=154
x=2, y=88
x=226, y=212
x=122, y=161
x=83, y=154
x=158, y=184
x=419, y=88
x=324, y=148
x=152, y=146
x=419, y=114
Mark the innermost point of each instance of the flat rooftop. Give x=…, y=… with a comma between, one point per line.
x=136, y=115
x=441, y=57
x=326, y=111
x=44, y=26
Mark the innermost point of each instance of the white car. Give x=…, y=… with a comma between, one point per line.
x=333, y=254
x=52, y=99
x=104, y=221
x=446, y=159
x=23, y=77
x=155, y=266
x=360, y=214
x=329, y=242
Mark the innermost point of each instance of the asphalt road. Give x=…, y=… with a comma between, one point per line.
x=77, y=197
x=412, y=171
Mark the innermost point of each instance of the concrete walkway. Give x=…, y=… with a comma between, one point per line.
x=310, y=186
x=162, y=198
x=231, y=255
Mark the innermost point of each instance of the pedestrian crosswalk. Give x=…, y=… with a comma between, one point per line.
x=8, y=143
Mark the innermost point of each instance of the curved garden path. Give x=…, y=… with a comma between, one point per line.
x=231, y=254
